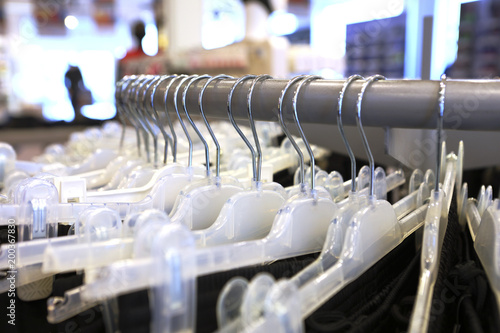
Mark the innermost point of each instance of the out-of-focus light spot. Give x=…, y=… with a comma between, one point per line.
x=120, y=52
x=62, y=110
x=99, y=111
x=150, y=41
x=71, y=22
x=282, y=23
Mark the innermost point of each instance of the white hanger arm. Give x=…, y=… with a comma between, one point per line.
x=301, y=303
x=434, y=230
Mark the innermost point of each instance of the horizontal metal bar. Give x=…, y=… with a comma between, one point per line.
x=469, y=105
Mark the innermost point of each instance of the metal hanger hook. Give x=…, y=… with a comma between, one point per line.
x=169, y=120
x=184, y=128
x=340, y=125
x=200, y=135
x=252, y=125
x=299, y=127
x=119, y=108
x=200, y=105
x=285, y=128
x=167, y=138
x=368, y=151
x=236, y=127
x=442, y=91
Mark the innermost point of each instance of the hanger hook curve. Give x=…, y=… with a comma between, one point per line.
x=340, y=125
x=368, y=151
x=252, y=125
x=169, y=120
x=233, y=122
x=285, y=128
x=442, y=91
x=167, y=138
x=200, y=135
x=200, y=105
x=299, y=127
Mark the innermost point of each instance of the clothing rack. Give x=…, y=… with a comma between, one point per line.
x=469, y=104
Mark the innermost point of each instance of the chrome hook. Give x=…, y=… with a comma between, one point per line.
x=362, y=132
x=200, y=104
x=136, y=105
x=186, y=132
x=166, y=136
x=119, y=107
x=340, y=125
x=442, y=91
x=236, y=127
x=169, y=120
x=285, y=128
x=148, y=118
x=258, y=162
x=126, y=114
x=133, y=117
x=299, y=127
x=200, y=135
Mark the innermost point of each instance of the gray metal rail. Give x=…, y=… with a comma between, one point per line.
x=469, y=105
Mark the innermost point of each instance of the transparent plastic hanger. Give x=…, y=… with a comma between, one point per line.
x=337, y=239
x=30, y=253
x=483, y=219
x=179, y=176
x=102, y=177
x=42, y=221
x=333, y=182
x=259, y=198
x=141, y=226
x=101, y=157
x=199, y=205
x=95, y=223
x=127, y=158
x=436, y=223
x=249, y=214
x=57, y=260
x=372, y=233
x=36, y=199
x=357, y=199
x=289, y=236
x=8, y=158
x=134, y=173
x=286, y=306
x=103, y=163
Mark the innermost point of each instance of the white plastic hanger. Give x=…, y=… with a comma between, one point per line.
x=482, y=216
x=158, y=198
x=55, y=261
x=350, y=249
x=252, y=300
x=179, y=175
x=198, y=206
x=355, y=202
x=435, y=228
x=142, y=227
x=249, y=214
x=289, y=236
x=334, y=251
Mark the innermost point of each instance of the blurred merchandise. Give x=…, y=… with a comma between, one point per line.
x=376, y=47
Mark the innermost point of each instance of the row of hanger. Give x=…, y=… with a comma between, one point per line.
x=190, y=221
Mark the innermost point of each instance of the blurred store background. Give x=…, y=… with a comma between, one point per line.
x=42, y=39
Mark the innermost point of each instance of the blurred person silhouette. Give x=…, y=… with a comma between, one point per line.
x=128, y=64
x=79, y=94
